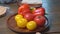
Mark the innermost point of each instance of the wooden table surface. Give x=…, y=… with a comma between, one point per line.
x=52, y=9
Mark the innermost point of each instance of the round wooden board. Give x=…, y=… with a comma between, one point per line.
x=11, y=23
x=2, y=10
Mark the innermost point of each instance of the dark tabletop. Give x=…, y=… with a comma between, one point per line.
x=52, y=9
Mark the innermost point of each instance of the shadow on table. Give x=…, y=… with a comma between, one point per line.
x=2, y=15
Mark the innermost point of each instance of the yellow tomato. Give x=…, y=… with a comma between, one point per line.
x=18, y=17
x=22, y=23
x=31, y=25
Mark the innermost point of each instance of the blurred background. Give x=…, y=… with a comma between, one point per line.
x=7, y=1
x=52, y=7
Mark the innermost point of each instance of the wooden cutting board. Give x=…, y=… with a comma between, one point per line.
x=2, y=10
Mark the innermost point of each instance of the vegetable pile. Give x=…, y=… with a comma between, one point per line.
x=30, y=17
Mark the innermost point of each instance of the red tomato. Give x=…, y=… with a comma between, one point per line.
x=23, y=8
x=40, y=20
x=24, y=12
x=39, y=11
x=29, y=16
